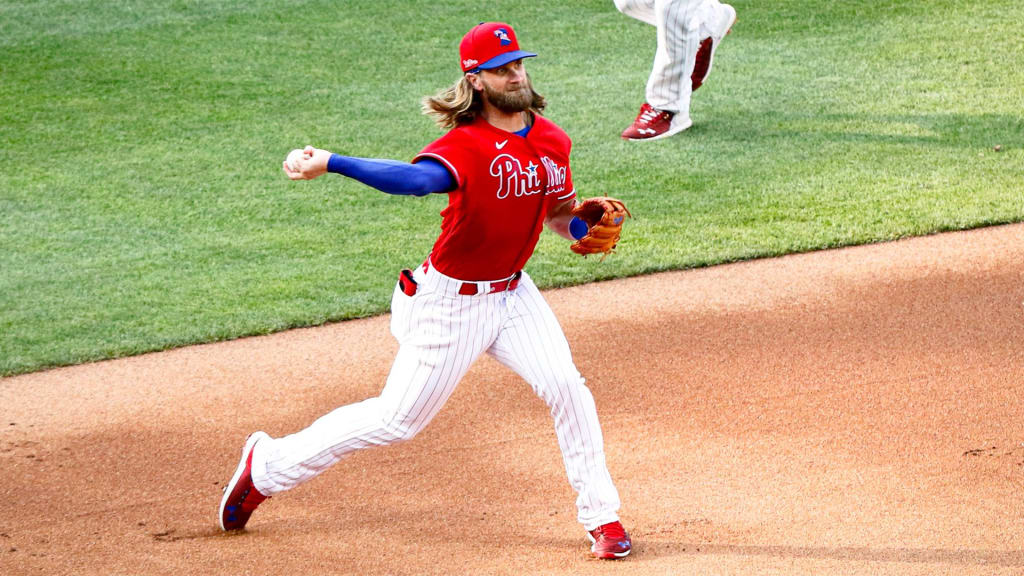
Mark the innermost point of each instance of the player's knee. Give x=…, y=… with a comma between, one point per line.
x=566, y=389
x=623, y=6
x=398, y=429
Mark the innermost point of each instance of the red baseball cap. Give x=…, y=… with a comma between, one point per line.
x=490, y=45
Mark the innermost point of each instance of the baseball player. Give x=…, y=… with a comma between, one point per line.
x=689, y=32
x=505, y=169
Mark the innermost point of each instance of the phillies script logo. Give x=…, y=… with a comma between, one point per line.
x=514, y=178
x=556, y=175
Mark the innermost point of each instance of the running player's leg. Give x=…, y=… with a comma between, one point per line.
x=439, y=337
x=669, y=87
x=532, y=343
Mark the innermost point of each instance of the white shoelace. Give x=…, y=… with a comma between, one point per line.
x=649, y=116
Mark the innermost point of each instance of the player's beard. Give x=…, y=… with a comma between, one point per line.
x=510, y=101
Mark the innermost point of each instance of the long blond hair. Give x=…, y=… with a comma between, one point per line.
x=460, y=103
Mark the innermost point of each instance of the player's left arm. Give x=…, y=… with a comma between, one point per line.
x=559, y=217
x=561, y=221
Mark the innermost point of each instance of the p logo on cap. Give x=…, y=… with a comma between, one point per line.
x=490, y=45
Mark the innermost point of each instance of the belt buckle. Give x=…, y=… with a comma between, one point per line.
x=473, y=288
x=507, y=284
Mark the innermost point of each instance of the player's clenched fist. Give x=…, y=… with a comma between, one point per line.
x=306, y=164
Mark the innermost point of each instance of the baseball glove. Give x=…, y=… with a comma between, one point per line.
x=604, y=217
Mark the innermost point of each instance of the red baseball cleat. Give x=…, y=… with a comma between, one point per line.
x=240, y=496
x=654, y=124
x=706, y=52
x=610, y=541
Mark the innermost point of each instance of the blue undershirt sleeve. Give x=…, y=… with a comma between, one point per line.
x=394, y=177
x=578, y=228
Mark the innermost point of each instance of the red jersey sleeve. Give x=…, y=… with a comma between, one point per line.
x=451, y=151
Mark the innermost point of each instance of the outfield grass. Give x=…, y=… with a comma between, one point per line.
x=142, y=204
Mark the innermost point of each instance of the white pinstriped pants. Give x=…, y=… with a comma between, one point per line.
x=441, y=333
x=682, y=25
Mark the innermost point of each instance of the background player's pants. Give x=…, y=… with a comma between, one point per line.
x=682, y=26
x=440, y=334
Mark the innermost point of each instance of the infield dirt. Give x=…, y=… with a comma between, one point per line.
x=854, y=411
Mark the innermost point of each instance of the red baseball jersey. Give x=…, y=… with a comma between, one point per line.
x=505, y=186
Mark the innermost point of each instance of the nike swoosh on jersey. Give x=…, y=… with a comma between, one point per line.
x=500, y=145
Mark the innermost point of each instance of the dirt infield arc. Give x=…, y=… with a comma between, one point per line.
x=856, y=411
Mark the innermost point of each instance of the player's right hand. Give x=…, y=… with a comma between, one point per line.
x=309, y=168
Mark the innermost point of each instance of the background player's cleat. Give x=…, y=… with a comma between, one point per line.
x=726, y=17
x=653, y=124
x=610, y=541
x=240, y=496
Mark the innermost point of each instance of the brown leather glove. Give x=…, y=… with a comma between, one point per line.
x=604, y=216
